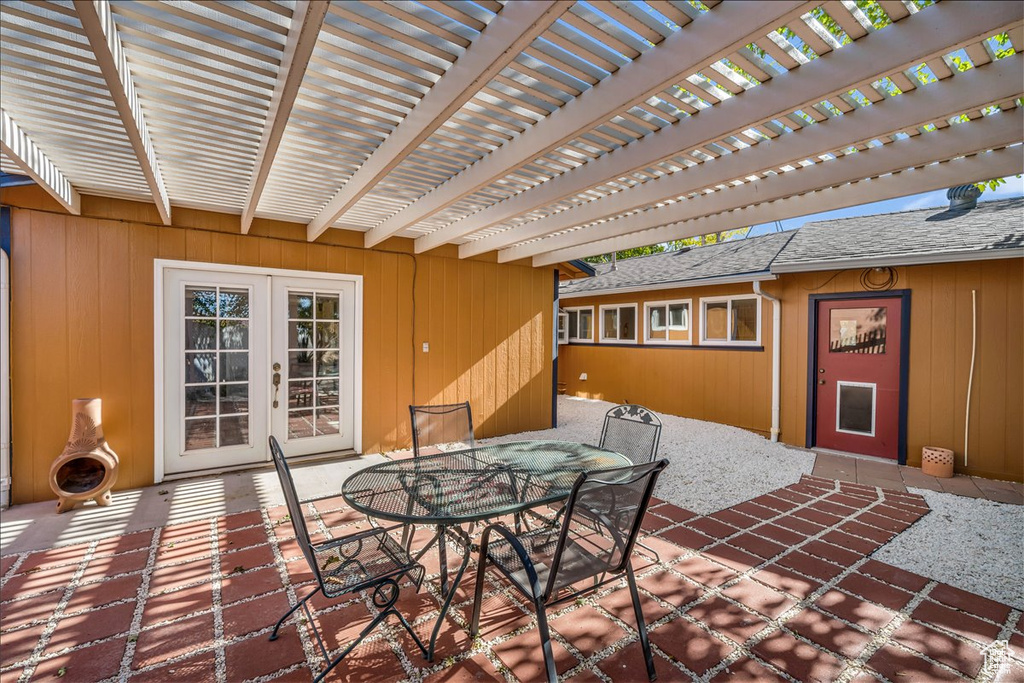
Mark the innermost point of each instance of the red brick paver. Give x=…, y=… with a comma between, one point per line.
x=777, y=588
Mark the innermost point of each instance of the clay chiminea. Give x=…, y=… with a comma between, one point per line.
x=87, y=469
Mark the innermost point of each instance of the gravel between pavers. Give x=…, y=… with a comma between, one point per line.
x=973, y=544
x=713, y=466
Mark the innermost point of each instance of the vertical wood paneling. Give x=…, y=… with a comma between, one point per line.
x=83, y=325
x=734, y=387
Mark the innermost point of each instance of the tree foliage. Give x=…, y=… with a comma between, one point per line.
x=701, y=240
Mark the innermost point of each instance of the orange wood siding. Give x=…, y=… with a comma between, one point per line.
x=731, y=386
x=940, y=356
x=734, y=387
x=82, y=325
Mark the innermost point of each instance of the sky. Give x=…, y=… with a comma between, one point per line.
x=1014, y=187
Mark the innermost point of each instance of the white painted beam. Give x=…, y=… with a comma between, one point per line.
x=734, y=204
x=1003, y=162
x=508, y=34
x=98, y=23
x=720, y=32
x=972, y=90
x=20, y=149
x=307, y=18
x=916, y=39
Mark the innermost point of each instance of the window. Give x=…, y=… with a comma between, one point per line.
x=667, y=322
x=731, y=320
x=618, y=323
x=579, y=324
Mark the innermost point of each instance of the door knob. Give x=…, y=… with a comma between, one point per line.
x=821, y=381
x=277, y=382
x=821, y=370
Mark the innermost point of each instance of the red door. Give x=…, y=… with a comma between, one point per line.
x=858, y=376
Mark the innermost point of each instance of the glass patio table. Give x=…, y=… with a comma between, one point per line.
x=461, y=487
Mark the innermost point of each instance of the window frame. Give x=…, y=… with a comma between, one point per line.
x=576, y=309
x=666, y=304
x=617, y=307
x=705, y=300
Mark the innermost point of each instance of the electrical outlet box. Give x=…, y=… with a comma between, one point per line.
x=426, y=347
x=583, y=377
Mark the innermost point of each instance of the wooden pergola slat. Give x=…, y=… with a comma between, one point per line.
x=20, y=149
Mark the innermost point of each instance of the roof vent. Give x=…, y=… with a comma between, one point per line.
x=963, y=197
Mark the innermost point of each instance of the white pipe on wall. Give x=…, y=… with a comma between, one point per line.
x=776, y=356
x=970, y=377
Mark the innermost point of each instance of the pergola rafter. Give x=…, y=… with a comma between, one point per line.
x=524, y=129
x=973, y=90
x=20, y=149
x=929, y=178
x=98, y=23
x=501, y=42
x=928, y=35
x=992, y=132
x=307, y=18
x=634, y=83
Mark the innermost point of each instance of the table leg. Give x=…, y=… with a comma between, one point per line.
x=448, y=594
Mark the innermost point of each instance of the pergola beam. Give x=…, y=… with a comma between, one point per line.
x=17, y=145
x=722, y=31
x=972, y=90
x=664, y=224
x=508, y=34
x=998, y=163
x=98, y=23
x=926, y=35
x=307, y=18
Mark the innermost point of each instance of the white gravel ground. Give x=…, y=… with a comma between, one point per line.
x=713, y=466
x=976, y=545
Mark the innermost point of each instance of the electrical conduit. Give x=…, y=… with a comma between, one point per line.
x=970, y=377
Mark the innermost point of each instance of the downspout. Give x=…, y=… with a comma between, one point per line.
x=776, y=356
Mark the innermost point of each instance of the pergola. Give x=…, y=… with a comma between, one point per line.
x=545, y=130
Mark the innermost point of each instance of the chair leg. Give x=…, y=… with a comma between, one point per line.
x=300, y=603
x=358, y=639
x=641, y=627
x=408, y=627
x=545, y=642
x=478, y=594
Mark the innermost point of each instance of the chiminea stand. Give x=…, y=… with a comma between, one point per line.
x=87, y=469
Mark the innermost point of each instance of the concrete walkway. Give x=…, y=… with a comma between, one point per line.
x=874, y=472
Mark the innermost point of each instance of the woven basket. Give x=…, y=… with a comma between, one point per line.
x=937, y=462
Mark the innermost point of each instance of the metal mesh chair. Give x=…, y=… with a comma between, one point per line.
x=451, y=423
x=369, y=560
x=633, y=431
x=594, y=542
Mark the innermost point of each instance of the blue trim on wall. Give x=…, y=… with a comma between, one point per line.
x=812, y=360
x=5, y=229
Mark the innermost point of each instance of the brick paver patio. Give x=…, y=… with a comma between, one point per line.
x=780, y=587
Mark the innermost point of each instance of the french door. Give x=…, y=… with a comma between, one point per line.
x=249, y=354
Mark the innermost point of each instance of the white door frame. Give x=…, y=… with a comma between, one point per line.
x=161, y=265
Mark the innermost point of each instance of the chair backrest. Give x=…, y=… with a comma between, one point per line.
x=294, y=506
x=633, y=431
x=441, y=424
x=601, y=523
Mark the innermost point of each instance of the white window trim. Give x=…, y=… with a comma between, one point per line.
x=722, y=342
x=581, y=340
x=874, y=406
x=617, y=307
x=665, y=304
x=562, y=327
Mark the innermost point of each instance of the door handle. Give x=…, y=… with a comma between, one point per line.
x=277, y=382
x=820, y=381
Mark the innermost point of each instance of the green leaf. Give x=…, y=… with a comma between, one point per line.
x=61, y=671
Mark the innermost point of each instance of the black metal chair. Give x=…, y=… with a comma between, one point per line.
x=547, y=564
x=633, y=431
x=369, y=560
x=451, y=423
